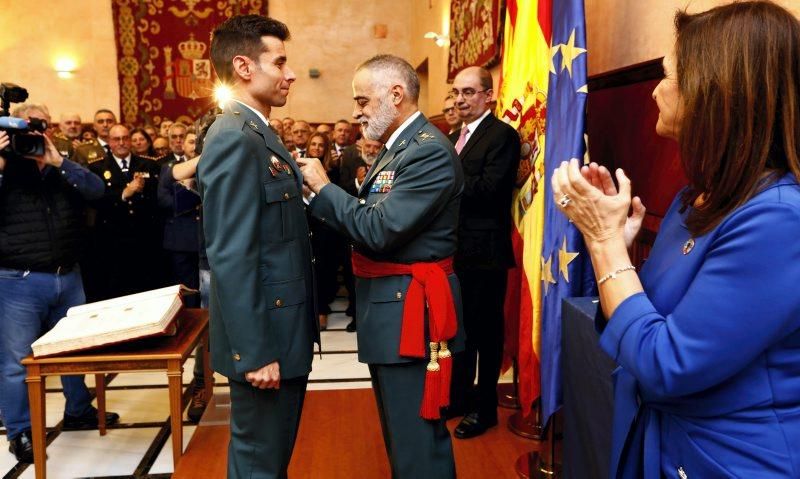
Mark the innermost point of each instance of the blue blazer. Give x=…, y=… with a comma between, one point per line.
x=709, y=354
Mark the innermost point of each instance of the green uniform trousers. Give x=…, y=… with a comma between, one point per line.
x=264, y=425
x=417, y=448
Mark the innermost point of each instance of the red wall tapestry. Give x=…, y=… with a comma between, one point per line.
x=163, y=55
x=476, y=28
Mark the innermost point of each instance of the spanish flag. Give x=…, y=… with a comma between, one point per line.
x=543, y=94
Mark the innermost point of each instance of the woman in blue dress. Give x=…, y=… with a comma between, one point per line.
x=707, y=335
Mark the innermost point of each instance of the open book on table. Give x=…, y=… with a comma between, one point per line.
x=151, y=313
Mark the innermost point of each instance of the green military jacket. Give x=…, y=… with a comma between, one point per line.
x=406, y=212
x=262, y=304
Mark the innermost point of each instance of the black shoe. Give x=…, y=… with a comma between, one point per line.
x=351, y=326
x=22, y=447
x=472, y=425
x=87, y=421
x=198, y=405
x=350, y=311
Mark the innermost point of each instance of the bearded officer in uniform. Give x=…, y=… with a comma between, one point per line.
x=403, y=227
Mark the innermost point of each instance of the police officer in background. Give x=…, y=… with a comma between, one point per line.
x=42, y=231
x=126, y=228
x=98, y=148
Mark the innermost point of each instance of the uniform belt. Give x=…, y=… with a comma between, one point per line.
x=429, y=287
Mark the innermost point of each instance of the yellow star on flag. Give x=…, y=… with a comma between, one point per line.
x=569, y=52
x=564, y=259
x=547, y=273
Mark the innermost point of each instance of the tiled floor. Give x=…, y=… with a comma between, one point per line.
x=139, y=446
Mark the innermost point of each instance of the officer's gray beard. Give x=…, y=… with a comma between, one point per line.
x=380, y=122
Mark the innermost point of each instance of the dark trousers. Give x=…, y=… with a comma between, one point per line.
x=328, y=248
x=417, y=448
x=349, y=279
x=483, y=294
x=264, y=425
x=186, y=271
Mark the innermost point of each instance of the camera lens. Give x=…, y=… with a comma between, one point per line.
x=27, y=145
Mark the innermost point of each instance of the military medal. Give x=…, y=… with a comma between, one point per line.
x=253, y=125
x=107, y=175
x=273, y=172
x=383, y=182
x=688, y=246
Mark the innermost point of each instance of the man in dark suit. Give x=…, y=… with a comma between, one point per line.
x=489, y=152
x=126, y=242
x=263, y=320
x=403, y=226
x=180, y=204
x=301, y=130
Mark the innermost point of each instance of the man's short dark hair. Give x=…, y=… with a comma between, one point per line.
x=104, y=110
x=241, y=35
x=341, y=121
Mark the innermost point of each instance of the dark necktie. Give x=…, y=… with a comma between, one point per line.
x=301, y=153
x=107, y=148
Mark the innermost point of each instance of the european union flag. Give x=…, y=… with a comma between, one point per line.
x=566, y=267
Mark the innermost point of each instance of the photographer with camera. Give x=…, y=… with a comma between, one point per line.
x=42, y=231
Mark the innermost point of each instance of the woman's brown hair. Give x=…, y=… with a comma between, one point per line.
x=327, y=158
x=738, y=69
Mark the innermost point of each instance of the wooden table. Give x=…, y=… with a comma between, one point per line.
x=154, y=354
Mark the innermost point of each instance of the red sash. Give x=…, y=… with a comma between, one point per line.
x=429, y=287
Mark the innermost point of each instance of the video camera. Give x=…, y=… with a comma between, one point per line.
x=23, y=143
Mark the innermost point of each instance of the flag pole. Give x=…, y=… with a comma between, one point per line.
x=542, y=464
x=529, y=427
x=507, y=393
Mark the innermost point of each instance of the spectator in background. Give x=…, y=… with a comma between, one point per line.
x=326, y=130
x=189, y=145
x=142, y=144
x=181, y=205
x=70, y=126
x=161, y=147
x=451, y=115
x=342, y=133
x=300, y=132
x=151, y=131
x=163, y=127
x=127, y=240
x=326, y=244
x=97, y=149
x=288, y=141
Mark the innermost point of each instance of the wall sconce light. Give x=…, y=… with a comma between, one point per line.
x=438, y=39
x=65, y=67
